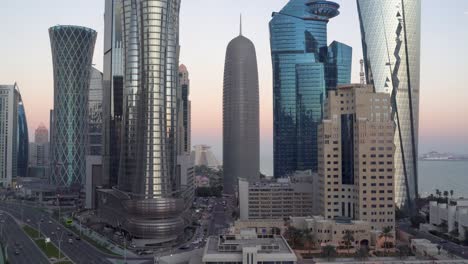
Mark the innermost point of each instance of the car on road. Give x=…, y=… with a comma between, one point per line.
x=184, y=247
x=50, y=221
x=28, y=220
x=78, y=238
x=443, y=242
x=69, y=234
x=17, y=252
x=70, y=241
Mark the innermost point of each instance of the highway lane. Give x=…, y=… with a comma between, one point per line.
x=17, y=239
x=78, y=251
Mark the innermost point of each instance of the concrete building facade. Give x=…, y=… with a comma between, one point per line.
x=9, y=99
x=277, y=199
x=356, y=170
x=450, y=218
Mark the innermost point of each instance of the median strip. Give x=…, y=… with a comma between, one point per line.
x=49, y=249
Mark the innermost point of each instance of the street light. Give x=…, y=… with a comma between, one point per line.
x=124, y=240
x=59, y=240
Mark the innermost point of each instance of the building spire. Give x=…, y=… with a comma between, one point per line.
x=240, y=25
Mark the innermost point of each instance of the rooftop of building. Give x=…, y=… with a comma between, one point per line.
x=234, y=244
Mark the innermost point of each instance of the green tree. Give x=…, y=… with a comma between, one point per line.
x=438, y=193
x=309, y=239
x=294, y=236
x=329, y=252
x=451, y=194
x=387, y=233
x=446, y=195
x=348, y=239
x=362, y=254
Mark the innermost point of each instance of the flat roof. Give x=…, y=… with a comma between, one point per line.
x=283, y=247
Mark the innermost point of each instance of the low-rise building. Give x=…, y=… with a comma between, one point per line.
x=248, y=248
x=424, y=247
x=263, y=227
x=331, y=232
x=277, y=199
x=450, y=218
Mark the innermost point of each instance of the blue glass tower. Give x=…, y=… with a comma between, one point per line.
x=23, y=141
x=303, y=69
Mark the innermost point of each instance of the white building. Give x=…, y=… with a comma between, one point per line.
x=277, y=199
x=9, y=98
x=450, y=218
x=248, y=248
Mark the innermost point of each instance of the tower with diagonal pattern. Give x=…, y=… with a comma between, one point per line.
x=72, y=54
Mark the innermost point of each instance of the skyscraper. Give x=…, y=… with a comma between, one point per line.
x=185, y=109
x=113, y=90
x=39, y=149
x=9, y=99
x=303, y=69
x=41, y=135
x=23, y=140
x=72, y=53
x=95, y=122
x=391, y=37
x=148, y=202
x=241, y=149
x=355, y=147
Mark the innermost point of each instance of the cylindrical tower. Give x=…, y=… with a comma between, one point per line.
x=241, y=148
x=72, y=54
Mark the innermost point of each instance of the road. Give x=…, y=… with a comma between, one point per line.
x=458, y=250
x=13, y=234
x=79, y=252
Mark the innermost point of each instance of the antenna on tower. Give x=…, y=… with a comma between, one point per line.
x=362, y=74
x=240, y=25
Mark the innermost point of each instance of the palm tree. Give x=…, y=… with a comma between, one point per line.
x=309, y=239
x=446, y=194
x=438, y=193
x=451, y=194
x=348, y=238
x=329, y=252
x=386, y=233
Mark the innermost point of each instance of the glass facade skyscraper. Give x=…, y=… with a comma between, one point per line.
x=72, y=54
x=23, y=140
x=303, y=69
x=113, y=91
x=9, y=100
x=391, y=37
x=95, y=128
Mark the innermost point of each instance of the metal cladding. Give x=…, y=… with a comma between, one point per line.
x=72, y=54
x=148, y=201
x=391, y=37
x=240, y=114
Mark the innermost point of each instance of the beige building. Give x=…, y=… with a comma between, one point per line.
x=277, y=199
x=331, y=232
x=355, y=157
x=263, y=227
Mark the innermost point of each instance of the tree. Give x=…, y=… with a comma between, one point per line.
x=362, y=254
x=439, y=247
x=348, y=238
x=329, y=252
x=294, y=236
x=309, y=239
x=403, y=251
x=387, y=233
x=451, y=194
x=446, y=194
x=438, y=193
x=417, y=220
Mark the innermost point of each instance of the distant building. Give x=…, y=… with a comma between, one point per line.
x=23, y=140
x=277, y=199
x=202, y=181
x=185, y=109
x=450, y=218
x=9, y=99
x=95, y=117
x=304, y=68
x=241, y=133
x=331, y=232
x=39, y=153
x=247, y=247
x=72, y=54
x=203, y=156
x=41, y=135
x=355, y=150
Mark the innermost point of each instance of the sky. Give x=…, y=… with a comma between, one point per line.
x=207, y=26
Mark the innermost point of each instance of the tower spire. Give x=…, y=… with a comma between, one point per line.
x=240, y=25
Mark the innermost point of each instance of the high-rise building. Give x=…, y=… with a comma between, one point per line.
x=148, y=202
x=95, y=128
x=303, y=69
x=203, y=156
x=355, y=148
x=23, y=140
x=391, y=38
x=112, y=105
x=241, y=135
x=9, y=99
x=41, y=135
x=72, y=53
x=185, y=110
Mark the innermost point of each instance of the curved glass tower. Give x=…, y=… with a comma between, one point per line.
x=72, y=54
x=303, y=69
x=391, y=37
x=23, y=141
x=241, y=136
